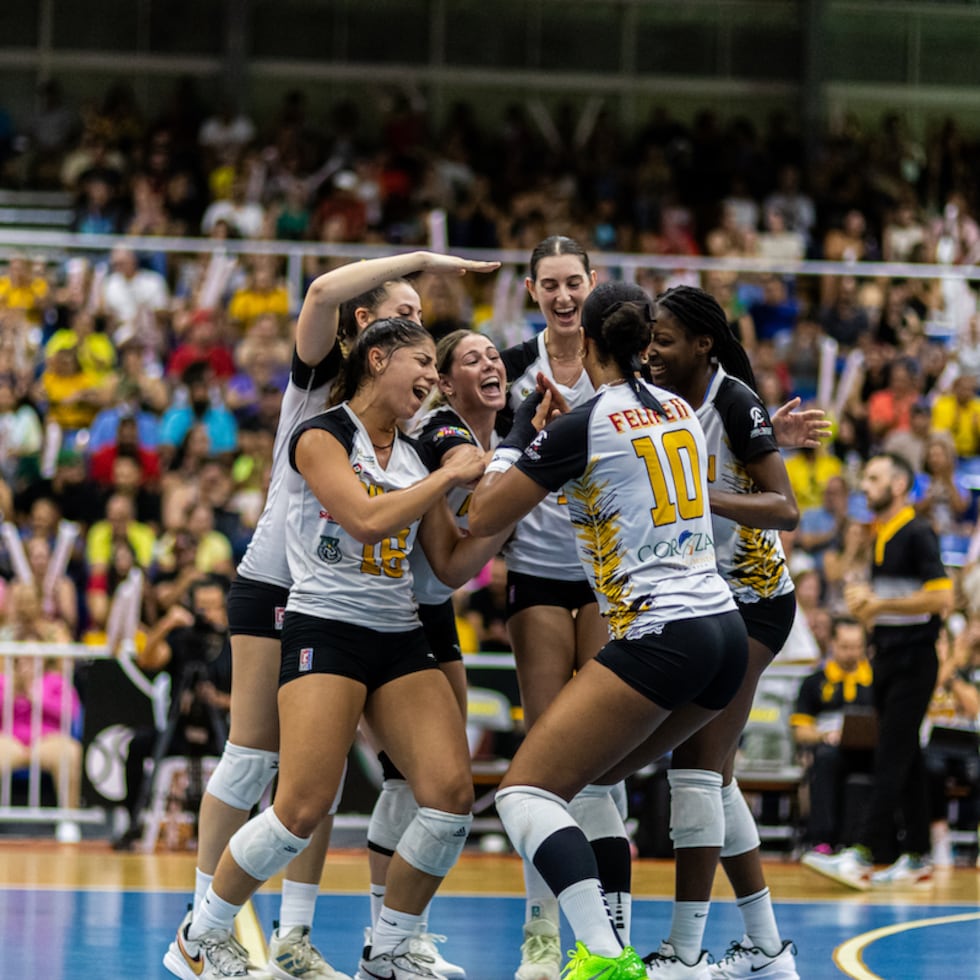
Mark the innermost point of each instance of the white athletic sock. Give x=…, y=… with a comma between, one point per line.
x=621, y=911
x=297, y=904
x=391, y=928
x=214, y=913
x=202, y=882
x=760, y=921
x=541, y=902
x=377, y=893
x=687, y=929
x=585, y=908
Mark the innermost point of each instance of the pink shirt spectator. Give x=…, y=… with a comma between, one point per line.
x=50, y=688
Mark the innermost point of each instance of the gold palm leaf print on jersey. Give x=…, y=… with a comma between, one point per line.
x=595, y=517
x=757, y=563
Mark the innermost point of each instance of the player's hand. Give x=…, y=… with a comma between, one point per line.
x=465, y=464
x=794, y=430
x=453, y=265
x=557, y=405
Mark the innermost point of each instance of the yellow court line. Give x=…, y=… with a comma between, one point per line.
x=848, y=956
x=249, y=931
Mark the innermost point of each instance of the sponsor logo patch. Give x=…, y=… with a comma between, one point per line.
x=280, y=616
x=306, y=658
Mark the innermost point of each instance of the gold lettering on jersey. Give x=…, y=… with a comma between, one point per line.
x=675, y=409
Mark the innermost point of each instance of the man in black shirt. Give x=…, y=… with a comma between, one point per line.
x=909, y=595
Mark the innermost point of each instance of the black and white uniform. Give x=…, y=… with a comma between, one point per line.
x=542, y=566
x=738, y=430
x=338, y=584
x=438, y=432
x=637, y=491
x=257, y=598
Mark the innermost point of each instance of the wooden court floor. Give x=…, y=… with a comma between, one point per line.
x=83, y=911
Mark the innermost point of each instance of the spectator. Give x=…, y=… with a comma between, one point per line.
x=776, y=242
x=139, y=383
x=245, y=218
x=904, y=233
x=24, y=292
x=59, y=753
x=775, y=313
x=55, y=590
x=120, y=524
x=101, y=590
x=20, y=436
x=821, y=526
x=911, y=444
x=261, y=295
x=890, y=410
x=809, y=471
x=794, y=204
x=904, y=604
x=99, y=212
x=846, y=562
x=197, y=405
x=126, y=443
x=127, y=479
x=842, y=684
x=96, y=353
x=842, y=318
x=136, y=301
x=202, y=344
x=225, y=134
x=73, y=395
x=940, y=495
x=958, y=413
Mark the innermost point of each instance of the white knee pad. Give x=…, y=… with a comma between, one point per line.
x=697, y=818
x=594, y=809
x=340, y=792
x=393, y=812
x=264, y=846
x=434, y=839
x=621, y=799
x=741, y=833
x=242, y=775
x=530, y=815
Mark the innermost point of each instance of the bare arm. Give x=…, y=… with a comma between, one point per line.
x=325, y=466
x=773, y=507
x=455, y=558
x=502, y=499
x=316, y=329
x=867, y=606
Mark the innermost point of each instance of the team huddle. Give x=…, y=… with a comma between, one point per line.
x=624, y=465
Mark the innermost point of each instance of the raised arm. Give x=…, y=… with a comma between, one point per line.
x=316, y=329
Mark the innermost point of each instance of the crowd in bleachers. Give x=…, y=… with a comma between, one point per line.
x=139, y=393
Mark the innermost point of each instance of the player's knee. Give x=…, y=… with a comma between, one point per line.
x=697, y=816
x=434, y=840
x=265, y=845
x=242, y=775
x=741, y=833
x=393, y=811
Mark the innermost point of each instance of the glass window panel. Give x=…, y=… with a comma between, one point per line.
x=18, y=24
x=770, y=51
x=480, y=34
x=187, y=26
x=96, y=25
x=676, y=42
x=582, y=37
x=295, y=29
x=389, y=31
x=948, y=52
x=861, y=47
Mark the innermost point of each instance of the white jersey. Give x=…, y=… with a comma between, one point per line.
x=334, y=576
x=636, y=483
x=441, y=430
x=738, y=430
x=542, y=543
x=306, y=393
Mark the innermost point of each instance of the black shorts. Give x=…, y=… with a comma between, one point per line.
x=439, y=623
x=769, y=620
x=311, y=645
x=256, y=608
x=524, y=591
x=692, y=660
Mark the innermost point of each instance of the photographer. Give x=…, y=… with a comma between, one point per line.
x=191, y=644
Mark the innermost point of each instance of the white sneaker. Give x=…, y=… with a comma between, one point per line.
x=850, y=867
x=743, y=959
x=293, y=955
x=67, y=832
x=541, y=955
x=425, y=944
x=215, y=956
x=907, y=870
x=665, y=964
x=401, y=963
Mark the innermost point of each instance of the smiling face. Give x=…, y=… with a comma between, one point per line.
x=675, y=356
x=407, y=374
x=560, y=289
x=476, y=379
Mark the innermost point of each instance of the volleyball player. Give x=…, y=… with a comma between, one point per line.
x=359, y=495
x=695, y=354
x=553, y=618
x=370, y=289
x=472, y=389
x=633, y=466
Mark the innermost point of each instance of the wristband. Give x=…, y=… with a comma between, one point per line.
x=504, y=457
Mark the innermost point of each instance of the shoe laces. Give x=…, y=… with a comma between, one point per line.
x=541, y=949
x=304, y=954
x=224, y=950
x=425, y=944
x=736, y=951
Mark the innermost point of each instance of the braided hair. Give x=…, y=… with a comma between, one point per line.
x=389, y=334
x=699, y=313
x=618, y=318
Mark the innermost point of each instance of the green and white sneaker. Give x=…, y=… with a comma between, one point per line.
x=583, y=965
x=292, y=956
x=909, y=869
x=541, y=955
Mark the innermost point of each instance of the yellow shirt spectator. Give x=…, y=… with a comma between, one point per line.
x=958, y=413
x=808, y=471
x=248, y=304
x=28, y=296
x=98, y=544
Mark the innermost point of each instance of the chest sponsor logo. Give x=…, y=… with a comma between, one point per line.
x=688, y=544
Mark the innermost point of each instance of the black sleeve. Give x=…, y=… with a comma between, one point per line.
x=337, y=422
x=518, y=358
x=746, y=421
x=925, y=554
x=560, y=452
x=444, y=431
x=808, y=700
x=309, y=376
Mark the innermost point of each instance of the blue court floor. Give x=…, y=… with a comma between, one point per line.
x=98, y=934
